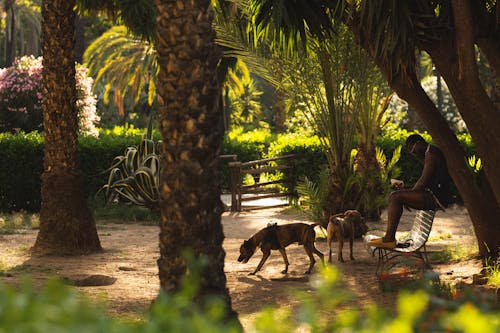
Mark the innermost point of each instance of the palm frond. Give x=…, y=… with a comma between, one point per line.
x=124, y=64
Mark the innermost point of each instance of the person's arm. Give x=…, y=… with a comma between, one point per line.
x=427, y=172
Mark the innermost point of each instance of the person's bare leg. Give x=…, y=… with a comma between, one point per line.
x=397, y=201
x=394, y=212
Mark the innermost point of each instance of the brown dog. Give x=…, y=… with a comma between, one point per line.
x=277, y=237
x=342, y=227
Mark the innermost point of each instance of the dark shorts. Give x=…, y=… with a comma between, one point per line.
x=431, y=202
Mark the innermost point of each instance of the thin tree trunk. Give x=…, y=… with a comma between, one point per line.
x=191, y=126
x=66, y=223
x=279, y=111
x=10, y=32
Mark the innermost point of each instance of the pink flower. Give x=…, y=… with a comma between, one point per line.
x=21, y=91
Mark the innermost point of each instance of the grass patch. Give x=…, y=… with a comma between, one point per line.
x=122, y=213
x=440, y=236
x=457, y=252
x=493, y=274
x=18, y=222
x=494, y=278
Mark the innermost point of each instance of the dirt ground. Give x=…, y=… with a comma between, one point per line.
x=131, y=250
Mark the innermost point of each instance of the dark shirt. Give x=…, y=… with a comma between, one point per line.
x=440, y=181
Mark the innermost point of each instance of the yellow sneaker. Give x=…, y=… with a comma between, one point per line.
x=387, y=245
x=379, y=242
x=375, y=241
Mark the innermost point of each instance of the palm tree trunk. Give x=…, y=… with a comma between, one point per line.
x=279, y=109
x=66, y=223
x=191, y=126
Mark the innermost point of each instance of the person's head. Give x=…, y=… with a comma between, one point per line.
x=415, y=143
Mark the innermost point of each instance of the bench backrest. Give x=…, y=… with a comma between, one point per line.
x=420, y=230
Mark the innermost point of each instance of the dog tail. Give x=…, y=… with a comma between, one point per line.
x=313, y=225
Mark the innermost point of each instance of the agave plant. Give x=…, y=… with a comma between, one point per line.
x=135, y=176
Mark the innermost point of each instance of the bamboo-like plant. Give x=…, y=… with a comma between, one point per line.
x=323, y=84
x=135, y=176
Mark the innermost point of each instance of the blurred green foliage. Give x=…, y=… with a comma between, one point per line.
x=424, y=305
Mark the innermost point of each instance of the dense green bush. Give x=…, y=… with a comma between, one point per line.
x=20, y=171
x=310, y=159
x=247, y=146
x=22, y=154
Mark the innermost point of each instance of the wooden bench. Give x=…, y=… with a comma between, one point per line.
x=412, y=245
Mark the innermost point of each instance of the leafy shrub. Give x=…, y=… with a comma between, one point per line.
x=97, y=154
x=313, y=195
x=21, y=97
x=134, y=177
x=21, y=162
x=310, y=160
x=247, y=146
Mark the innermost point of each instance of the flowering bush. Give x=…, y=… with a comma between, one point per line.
x=21, y=97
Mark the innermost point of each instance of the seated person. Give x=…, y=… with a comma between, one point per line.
x=430, y=192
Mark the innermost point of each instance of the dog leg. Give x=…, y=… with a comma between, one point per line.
x=351, y=241
x=329, y=241
x=341, y=245
x=283, y=254
x=265, y=255
x=319, y=254
x=311, y=260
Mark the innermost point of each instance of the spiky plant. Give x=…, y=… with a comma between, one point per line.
x=135, y=176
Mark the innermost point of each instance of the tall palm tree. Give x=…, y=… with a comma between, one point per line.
x=191, y=126
x=66, y=223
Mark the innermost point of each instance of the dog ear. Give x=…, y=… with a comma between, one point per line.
x=338, y=220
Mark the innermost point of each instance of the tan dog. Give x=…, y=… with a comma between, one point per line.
x=342, y=227
x=277, y=237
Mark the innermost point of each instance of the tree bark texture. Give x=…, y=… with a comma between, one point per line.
x=457, y=63
x=66, y=223
x=191, y=126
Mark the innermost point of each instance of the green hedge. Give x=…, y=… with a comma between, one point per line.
x=310, y=159
x=21, y=164
x=21, y=158
x=20, y=170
